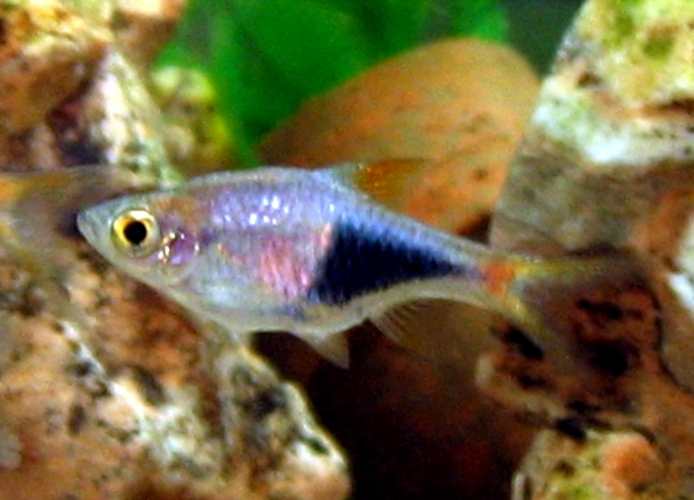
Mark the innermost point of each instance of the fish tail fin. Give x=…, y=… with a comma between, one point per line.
x=37, y=210
x=387, y=182
x=566, y=305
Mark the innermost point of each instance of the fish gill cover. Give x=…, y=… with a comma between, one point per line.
x=265, y=57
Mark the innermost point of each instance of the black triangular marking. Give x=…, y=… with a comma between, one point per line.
x=363, y=259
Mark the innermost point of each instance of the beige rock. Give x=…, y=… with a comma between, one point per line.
x=144, y=26
x=48, y=51
x=136, y=402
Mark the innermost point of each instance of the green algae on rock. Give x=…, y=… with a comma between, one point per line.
x=609, y=122
x=197, y=138
x=643, y=48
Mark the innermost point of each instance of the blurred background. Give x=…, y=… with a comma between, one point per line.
x=265, y=57
x=535, y=27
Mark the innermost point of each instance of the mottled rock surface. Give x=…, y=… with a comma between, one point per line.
x=607, y=164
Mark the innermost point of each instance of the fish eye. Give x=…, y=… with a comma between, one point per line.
x=136, y=232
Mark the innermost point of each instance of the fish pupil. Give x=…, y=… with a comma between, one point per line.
x=135, y=232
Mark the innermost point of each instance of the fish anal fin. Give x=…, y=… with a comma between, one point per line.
x=333, y=347
x=403, y=324
x=440, y=331
x=388, y=182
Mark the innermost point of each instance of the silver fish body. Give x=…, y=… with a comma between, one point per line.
x=301, y=251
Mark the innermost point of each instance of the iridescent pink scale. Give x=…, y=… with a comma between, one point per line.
x=179, y=248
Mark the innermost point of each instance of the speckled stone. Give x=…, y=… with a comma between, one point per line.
x=607, y=164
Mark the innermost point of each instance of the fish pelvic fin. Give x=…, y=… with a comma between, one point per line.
x=402, y=324
x=333, y=347
x=388, y=182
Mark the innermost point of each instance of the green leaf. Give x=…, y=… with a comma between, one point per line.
x=391, y=26
x=311, y=44
x=478, y=18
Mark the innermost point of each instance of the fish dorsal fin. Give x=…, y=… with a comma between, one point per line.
x=402, y=324
x=332, y=347
x=387, y=182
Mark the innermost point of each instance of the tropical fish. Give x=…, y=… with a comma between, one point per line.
x=314, y=253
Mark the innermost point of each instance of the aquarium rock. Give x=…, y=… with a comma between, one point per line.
x=607, y=165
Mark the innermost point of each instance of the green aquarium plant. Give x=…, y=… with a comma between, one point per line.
x=265, y=57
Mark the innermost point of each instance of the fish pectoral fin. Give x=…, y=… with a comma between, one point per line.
x=333, y=347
